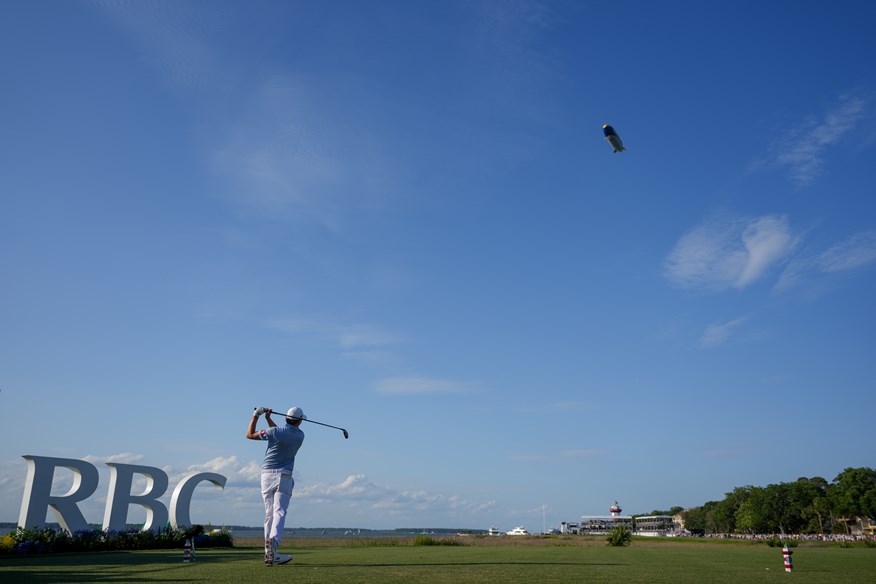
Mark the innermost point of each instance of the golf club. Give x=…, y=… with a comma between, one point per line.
x=346, y=434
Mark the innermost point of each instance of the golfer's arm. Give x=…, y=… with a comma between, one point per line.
x=251, y=431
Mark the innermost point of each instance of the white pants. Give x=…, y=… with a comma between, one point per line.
x=277, y=492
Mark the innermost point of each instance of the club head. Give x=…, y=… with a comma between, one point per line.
x=346, y=435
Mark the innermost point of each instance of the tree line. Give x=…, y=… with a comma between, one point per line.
x=805, y=506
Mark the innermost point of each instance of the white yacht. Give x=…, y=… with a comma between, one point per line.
x=518, y=531
x=494, y=531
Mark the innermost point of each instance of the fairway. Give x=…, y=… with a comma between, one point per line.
x=559, y=560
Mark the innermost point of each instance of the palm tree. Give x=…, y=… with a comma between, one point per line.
x=620, y=536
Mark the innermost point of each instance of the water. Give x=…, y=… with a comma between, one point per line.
x=333, y=532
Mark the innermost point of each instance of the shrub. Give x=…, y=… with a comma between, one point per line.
x=779, y=542
x=43, y=541
x=619, y=536
x=378, y=542
x=426, y=540
x=7, y=544
x=221, y=537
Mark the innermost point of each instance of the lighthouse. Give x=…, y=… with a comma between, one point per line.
x=615, y=510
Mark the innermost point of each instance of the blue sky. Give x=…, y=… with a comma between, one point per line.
x=403, y=217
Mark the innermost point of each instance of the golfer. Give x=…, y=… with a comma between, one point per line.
x=283, y=444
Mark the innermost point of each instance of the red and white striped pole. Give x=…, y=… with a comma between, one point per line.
x=786, y=553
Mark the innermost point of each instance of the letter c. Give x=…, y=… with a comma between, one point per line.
x=181, y=500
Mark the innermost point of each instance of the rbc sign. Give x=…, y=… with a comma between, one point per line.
x=38, y=496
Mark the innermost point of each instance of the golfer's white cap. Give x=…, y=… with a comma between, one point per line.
x=296, y=413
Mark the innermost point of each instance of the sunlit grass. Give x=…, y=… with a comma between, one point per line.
x=476, y=560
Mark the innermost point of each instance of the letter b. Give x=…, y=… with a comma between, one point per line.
x=119, y=498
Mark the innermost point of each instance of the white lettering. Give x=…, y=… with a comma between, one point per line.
x=38, y=498
x=181, y=500
x=119, y=498
x=38, y=488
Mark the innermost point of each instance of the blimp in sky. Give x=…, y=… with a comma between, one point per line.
x=613, y=138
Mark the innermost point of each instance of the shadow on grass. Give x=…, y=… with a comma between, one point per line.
x=106, y=559
x=439, y=564
x=99, y=567
x=67, y=575
x=165, y=566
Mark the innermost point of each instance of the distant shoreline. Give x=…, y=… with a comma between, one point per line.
x=331, y=532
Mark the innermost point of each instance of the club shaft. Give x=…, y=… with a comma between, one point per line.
x=344, y=430
x=326, y=425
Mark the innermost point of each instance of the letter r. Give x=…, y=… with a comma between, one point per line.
x=38, y=492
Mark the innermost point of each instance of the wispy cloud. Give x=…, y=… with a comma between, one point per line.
x=371, y=358
x=283, y=151
x=855, y=252
x=288, y=155
x=801, y=149
x=346, y=336
x=716, y=334
x=277, y=153
x=123, y=458
x=228, y=466
x=421, y=385
x=170, y=36
x=729, y=253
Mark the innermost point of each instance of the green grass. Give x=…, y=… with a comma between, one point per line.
x=554, y=560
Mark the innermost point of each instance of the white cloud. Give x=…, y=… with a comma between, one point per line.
x=227, y=466
x=855, y=252
x=12, y=477
x=364, y=343
x=801, y=149
x=353, y=500
x=346, y=336
x=122, y=458
x=767, y=240
x=421, y=385
x=358, y=490
x=724, y=253
x=716, y=334
x=353, y=487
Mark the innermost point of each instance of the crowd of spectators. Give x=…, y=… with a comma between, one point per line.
x=786, y=536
